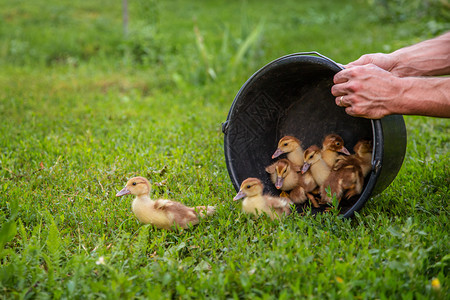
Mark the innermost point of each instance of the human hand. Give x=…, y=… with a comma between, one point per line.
x=367, y=91
x=384, y=61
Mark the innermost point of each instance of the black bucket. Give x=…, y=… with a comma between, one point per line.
x=292, y=96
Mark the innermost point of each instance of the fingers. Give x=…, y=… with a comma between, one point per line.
x=340, y=84
x=342, y=101
x=340, y=77
x=349, y=111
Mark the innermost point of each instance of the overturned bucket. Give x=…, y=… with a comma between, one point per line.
x=292, y=96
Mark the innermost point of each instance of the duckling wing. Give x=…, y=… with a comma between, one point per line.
x=307, y=182
x=180, y=214
x=279, y=205
x=163, y=203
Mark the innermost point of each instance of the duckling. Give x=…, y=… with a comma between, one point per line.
x=287, y=177
x=256, y=203
x=283, y=174
x=345, y=178
x=307, y=185
x=363, y=151
x=314, y=162
x=348, y=173
x=293, y=147
x=162, y=213
x=332, y=145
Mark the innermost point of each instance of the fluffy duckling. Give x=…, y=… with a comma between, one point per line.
x=363, y=152
x=283, y=174
x=314, y=162
x=344, y=181
x=332, y=145
x=293, y=147
x=348, y=173
x=162, y=213
x=306, y=186
x=256, y=203
x=286, y=177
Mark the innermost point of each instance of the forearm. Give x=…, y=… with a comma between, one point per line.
x=427, y=58
x=424, y=96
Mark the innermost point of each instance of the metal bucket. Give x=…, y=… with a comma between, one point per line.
x=292, y=96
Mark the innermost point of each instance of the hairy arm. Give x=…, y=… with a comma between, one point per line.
x=427, y=58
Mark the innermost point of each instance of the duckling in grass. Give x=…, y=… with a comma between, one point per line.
x=293, y=147
x=256, y=203
x=162, y=213
x=332, y=145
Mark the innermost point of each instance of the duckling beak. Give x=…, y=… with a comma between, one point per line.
x=279, y=182
x=305, y=167
x=277, y=153
x=124, y=191
x=344, y=150
x=239, y=195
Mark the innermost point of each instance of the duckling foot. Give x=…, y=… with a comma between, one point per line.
x=313, y=200
x=284, y=194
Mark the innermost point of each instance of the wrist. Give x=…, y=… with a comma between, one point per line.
x=399, y=103
x=422, y=96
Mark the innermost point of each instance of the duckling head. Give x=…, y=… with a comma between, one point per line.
x=287, y=144
x=311, y=155
x=249, y=187
x=281, y=168
x=335, y=143
x=363, y=147
x=136, y=186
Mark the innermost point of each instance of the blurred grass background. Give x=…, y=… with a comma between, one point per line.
x=84, y=106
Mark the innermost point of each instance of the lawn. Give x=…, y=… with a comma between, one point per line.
x=84, y=107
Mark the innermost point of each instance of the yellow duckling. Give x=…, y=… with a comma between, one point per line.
x=314, y=162
x=332, y=145
x=286, y=177
x=293, y=147
x=256, y=203
x=162, y=213
x=283, y=174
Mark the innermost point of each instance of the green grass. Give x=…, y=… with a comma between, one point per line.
x=83, y=110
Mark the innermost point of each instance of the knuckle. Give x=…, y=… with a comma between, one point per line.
x=354, y=86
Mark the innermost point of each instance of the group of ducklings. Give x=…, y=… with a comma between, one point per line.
x=327, y=171
x=301, y=175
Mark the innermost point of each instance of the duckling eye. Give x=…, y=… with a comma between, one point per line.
x=285, y=144
x=338, y=144
x=134, y=183
x=249, y=186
